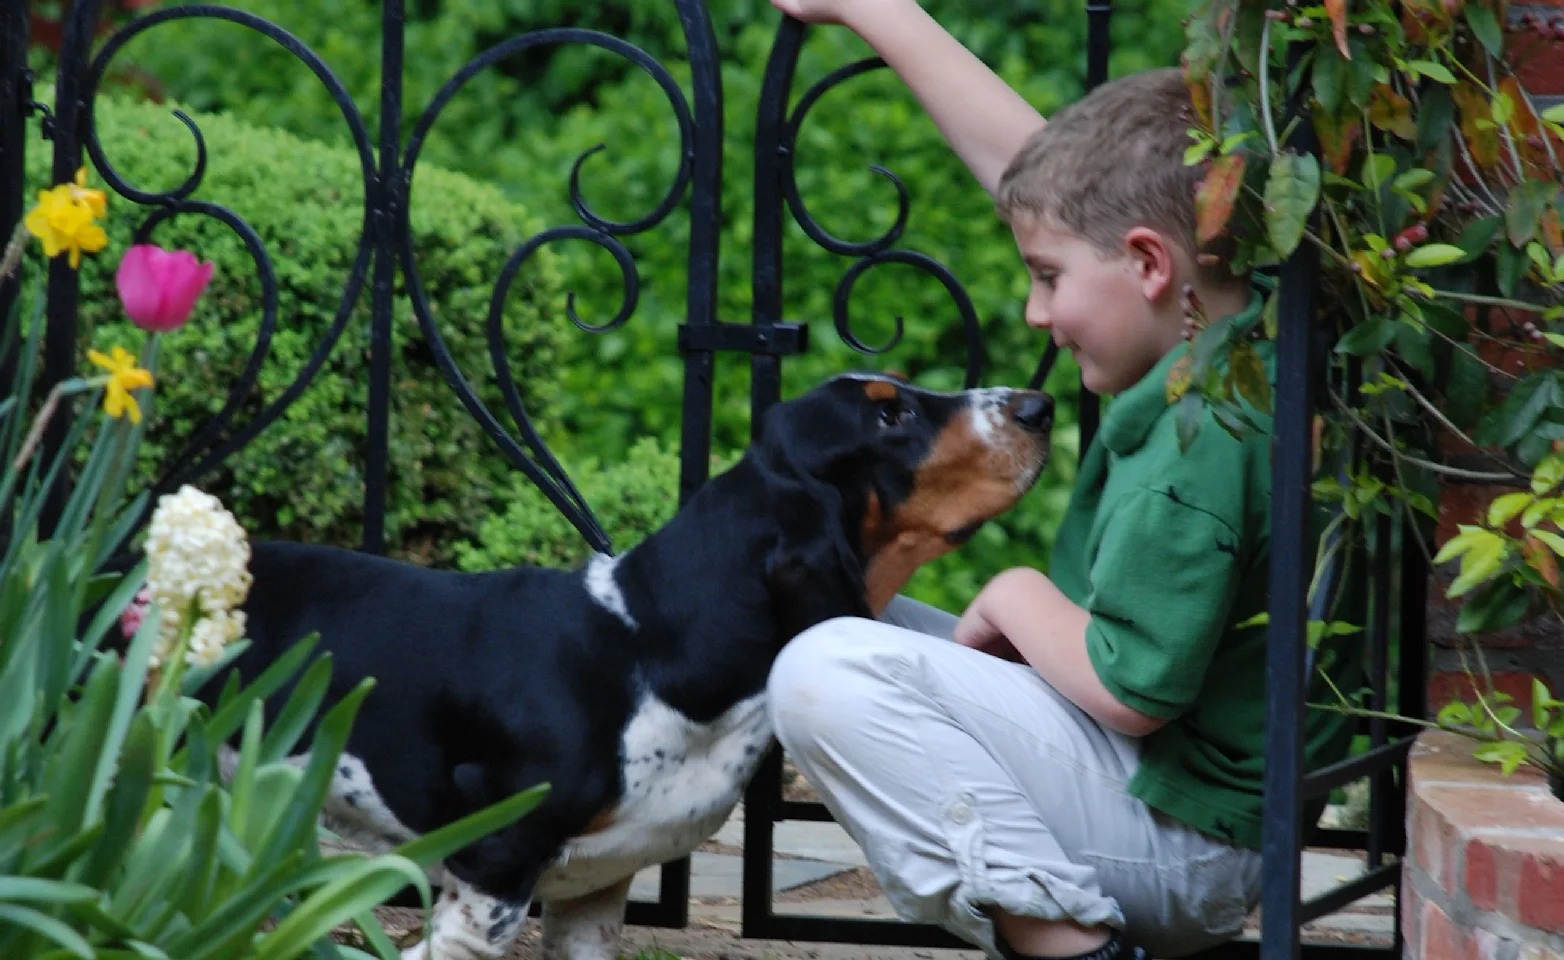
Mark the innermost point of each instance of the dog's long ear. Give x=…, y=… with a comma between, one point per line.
x=813, y=570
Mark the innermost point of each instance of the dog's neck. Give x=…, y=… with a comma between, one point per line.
x=706, y=650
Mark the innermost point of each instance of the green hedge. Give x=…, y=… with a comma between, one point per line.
x=520, y=126
x=303, y=477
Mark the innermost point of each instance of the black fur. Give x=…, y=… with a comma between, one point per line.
x=490, y=683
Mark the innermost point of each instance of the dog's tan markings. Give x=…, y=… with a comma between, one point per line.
x=956, y=486
x=879, y=389
x=601, y=822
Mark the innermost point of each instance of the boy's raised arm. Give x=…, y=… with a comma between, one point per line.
x=984, y=120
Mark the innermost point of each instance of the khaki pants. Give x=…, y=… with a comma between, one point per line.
x=970, y=782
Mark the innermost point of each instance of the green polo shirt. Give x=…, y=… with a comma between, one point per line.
x=1169, y=551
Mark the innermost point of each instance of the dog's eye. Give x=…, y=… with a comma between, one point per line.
x=893, y=413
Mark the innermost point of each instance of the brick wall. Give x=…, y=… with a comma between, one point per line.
x=1484, y=874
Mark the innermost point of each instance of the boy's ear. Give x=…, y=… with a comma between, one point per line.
x=1155, y=258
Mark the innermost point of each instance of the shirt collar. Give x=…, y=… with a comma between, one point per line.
x=1133, y=411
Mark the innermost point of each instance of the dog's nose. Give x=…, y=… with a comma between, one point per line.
x=1035, y=412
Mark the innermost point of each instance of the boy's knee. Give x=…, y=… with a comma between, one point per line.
x=822, y=677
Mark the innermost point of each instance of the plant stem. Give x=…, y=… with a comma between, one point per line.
x=1387, y=446
x=1265, y=87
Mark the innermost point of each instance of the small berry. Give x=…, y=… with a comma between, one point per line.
x=1303, y=23
x=1387, y=254
x=1367, y=29
x=1278, y=15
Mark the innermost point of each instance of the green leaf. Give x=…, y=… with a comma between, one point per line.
x=1434, y=255
x=1454, y=714
x=1510, y=265
x=432, y=847
x=48, y=926
x=1480, y=561
x=1377, y=168
x=126, y=800
x=1508, y=754
x=371, y=883
x=1524, y=214
x=299, y=711
x=1485, y=27
x=1433, y=71
x=1187, y=418
x=228, y=718
x=1249, y=376
x=1507, y=507
x=1477, y=236
x=1495, y=606
x=49, y=891
x=297, y=824
x=1540, y=698
x=1367, y=338
x=1554, y=114
x=1292, y=188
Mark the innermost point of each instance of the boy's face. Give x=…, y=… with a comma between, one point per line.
x=1109, y=311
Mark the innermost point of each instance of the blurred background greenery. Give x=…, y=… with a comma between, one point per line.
x=493, y=172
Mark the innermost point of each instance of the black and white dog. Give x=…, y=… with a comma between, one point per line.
x=634, y=686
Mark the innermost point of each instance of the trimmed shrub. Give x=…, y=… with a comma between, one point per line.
x=303, y=476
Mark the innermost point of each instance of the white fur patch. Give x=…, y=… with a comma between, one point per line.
x=469, y=926
x=987, y=412
x=682, y=779
x=602, y=587
x=587, y=928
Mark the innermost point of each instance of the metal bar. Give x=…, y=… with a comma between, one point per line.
x=1291, y=557
x=888, y=933
x=1335, y=839
x=763, y=794
x=803, y=810
x=64, y=292
x=388, y=193
x=673, y=890
x=1385, y=875
x=1250, y=950
x=1098, y=45
x=15, y=107
x=1379, y=684
x=1382, y=757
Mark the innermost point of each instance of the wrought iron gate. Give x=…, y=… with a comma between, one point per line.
x=1398, y=580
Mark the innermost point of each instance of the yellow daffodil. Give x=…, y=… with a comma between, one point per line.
x=124, y=376
x=65, y=219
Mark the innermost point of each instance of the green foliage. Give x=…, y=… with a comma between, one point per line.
x=1435, y=205
x=520, y=125
x=631, y=497
x=303, y=477
x=117, y=835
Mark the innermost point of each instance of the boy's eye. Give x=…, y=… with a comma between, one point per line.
x=1046, y=278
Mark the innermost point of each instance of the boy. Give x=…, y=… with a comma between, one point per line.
x=1079, y=773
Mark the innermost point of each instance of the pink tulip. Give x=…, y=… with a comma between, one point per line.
x=130, y=618
x=159, y=287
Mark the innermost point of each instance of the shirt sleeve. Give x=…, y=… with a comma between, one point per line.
x=1160, y=591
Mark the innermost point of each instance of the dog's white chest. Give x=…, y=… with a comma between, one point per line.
x=681, y=780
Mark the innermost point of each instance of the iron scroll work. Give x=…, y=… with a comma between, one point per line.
x=384, y=249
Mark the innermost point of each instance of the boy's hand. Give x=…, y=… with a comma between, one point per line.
x=1023, y=610
x=984, y=120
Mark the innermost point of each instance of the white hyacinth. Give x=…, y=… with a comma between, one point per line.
x=196, y=550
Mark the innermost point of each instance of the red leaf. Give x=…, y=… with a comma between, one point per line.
x=1215, y=196
x=1338, y=25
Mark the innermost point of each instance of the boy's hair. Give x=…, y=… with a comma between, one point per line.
x=1111, y=161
